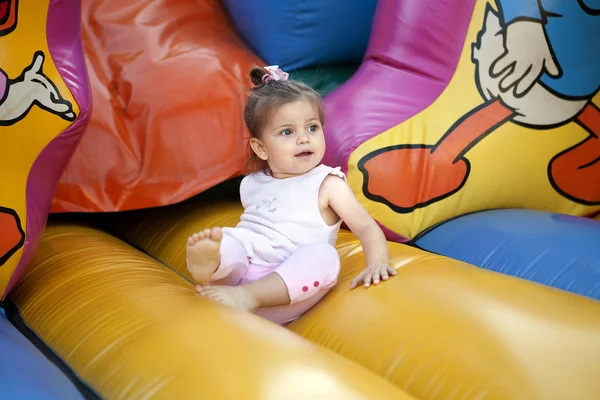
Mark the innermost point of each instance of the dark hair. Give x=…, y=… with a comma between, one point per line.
x=267, y=96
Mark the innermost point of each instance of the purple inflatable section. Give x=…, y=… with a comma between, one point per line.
x=413, y=52
x=3, y=80
x=64, y=42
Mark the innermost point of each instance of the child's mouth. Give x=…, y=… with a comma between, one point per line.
x=304, y=154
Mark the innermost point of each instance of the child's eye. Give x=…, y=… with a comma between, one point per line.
x=286, y=132
x=313, y=128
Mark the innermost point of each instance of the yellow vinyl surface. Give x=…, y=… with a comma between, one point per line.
x=26, y=62
x=133, y=329
x=440, y=329
x=508, y=166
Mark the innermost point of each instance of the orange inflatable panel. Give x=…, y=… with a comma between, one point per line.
x=169, y=83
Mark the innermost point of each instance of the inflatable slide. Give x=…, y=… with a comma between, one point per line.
x=507, y=118
x=469, y=131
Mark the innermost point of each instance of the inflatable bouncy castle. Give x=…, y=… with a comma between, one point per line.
x=469, y=129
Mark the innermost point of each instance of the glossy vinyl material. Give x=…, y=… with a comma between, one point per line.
x=169, y=80
x=132, y=328
x=324, y=79
x=436, y=123
x=44, y=111
x=412, y=54
x=440, y=329
x=558, y=250
x=25, y=373
x=296, y=34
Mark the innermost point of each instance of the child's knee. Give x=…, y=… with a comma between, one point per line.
x=312, y=270
x=326, y=258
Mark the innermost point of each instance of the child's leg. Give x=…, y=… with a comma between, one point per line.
x=289, y=291
x=212, y=257
x=283, y=315
x=309, y=271
x=308, y=275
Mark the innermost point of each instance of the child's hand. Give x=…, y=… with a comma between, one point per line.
x=373, y=273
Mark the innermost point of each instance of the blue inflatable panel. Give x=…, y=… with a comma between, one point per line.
x=25, y=373
x=557, y=250
x=298, y=34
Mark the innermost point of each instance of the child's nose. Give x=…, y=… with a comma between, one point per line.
x=303, y=138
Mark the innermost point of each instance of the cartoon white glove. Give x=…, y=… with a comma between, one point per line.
x=33, y=87
x=526, y=56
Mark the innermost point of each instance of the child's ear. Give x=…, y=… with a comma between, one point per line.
x=258, y=149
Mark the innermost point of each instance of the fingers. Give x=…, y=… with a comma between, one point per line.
x=501, y=64
x=203, y=288
x=551, y=66
x=36, y=65
x=384, y=275
x=367, y=280
x=59, y=108
x=38, y=61
x=521, y=69
x=377, y=276
x=357, y=280
x=41, y=79
x=525, y=84
x=50, y=98
x=373, y=276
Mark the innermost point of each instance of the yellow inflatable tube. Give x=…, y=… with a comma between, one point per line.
x=132, y=328
x=440, y=329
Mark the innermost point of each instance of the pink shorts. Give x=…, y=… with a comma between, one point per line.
x=309, y=274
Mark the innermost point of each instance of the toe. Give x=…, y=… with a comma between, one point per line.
x=207, y=233
x=216, y=234
x=213, y=295
x=204, y=289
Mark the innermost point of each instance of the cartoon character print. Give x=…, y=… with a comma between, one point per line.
x=8, y=16
x=11, y=234
x=17, y=97
x=538, y=65
x=32, y=87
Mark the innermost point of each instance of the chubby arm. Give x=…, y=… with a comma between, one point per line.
x=341, y=199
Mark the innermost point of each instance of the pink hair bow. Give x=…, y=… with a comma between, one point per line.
x=275, y=73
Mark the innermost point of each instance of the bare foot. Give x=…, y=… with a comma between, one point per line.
x=233, y=296
x=203, y=253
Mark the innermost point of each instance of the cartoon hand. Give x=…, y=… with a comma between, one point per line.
x=526, y=56
x=33, y=87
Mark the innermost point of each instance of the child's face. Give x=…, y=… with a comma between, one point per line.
x=292, y=141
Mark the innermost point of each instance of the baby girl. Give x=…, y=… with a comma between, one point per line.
x=280, y=259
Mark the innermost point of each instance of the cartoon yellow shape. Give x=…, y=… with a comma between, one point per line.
x=513, y=128
x=35, y=107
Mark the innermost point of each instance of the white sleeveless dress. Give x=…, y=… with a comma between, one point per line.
x=282, y=215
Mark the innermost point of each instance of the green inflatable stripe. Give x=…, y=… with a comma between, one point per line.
x=324, y=79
